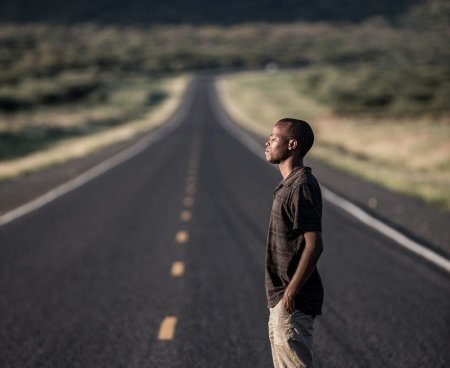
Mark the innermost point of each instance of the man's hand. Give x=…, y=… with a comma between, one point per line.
x=288, y=300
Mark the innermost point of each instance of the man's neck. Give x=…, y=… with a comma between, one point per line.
x=287, y=166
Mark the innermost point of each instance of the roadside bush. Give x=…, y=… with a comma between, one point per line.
x=66, y=88
x=375, y=89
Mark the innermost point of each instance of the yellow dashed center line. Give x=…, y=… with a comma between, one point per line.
x=185, y=215
x=182, y=236
x=190, y=189
x=191, y=180
x=167, y=328
x=177, y=269
x=188, y=201
x=168, y=325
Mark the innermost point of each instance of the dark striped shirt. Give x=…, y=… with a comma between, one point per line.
x=296, y=209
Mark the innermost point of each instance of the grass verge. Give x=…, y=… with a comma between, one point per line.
x=93, y=125
x=405, y=154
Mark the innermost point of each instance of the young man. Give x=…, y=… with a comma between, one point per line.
x=294, y=245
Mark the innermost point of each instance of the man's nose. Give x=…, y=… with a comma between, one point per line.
x=267, y=144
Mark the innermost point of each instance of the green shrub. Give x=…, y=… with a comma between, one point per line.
x=375, y=89
x=370, y=67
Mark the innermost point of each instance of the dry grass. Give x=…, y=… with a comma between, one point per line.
x=409, y=155
x=79, y=147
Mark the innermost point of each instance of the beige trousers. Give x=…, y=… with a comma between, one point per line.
x=291, y=338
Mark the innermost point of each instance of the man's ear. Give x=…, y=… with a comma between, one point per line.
x=292, y=145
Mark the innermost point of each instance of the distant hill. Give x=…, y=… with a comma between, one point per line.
x=198, y=11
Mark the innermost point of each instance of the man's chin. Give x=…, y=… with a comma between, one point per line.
x=271, y=160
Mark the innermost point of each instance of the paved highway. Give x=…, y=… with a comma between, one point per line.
x=159, y=262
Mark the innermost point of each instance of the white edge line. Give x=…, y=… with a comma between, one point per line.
x=105, y=165
x=357, y=212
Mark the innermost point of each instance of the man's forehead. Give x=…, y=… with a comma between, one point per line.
x=278, y=130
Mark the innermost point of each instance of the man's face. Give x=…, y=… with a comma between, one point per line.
x=277, y=146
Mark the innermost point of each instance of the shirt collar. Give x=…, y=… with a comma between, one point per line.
x=294, y=174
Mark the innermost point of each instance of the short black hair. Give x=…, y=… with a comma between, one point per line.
x=299, y=130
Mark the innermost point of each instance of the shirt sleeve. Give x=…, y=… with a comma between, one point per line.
x=307, y=209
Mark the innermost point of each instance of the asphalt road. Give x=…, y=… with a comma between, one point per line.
x=179, y=231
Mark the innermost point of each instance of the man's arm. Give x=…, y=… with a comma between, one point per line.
x=308, y=260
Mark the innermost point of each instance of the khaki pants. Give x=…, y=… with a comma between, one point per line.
x=291, y=338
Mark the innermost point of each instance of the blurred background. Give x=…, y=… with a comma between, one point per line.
x=373, y=76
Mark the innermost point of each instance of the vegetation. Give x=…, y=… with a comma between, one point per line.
x=368, y=65
x=379, y=89
x=372, y=66
x=32, y=140
x=197, y=11
x=41, y=112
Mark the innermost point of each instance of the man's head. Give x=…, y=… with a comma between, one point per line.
x=289, y=137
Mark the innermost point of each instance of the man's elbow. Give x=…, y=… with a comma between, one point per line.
x=318, y=242
x=318, y=249
x=314, y=241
